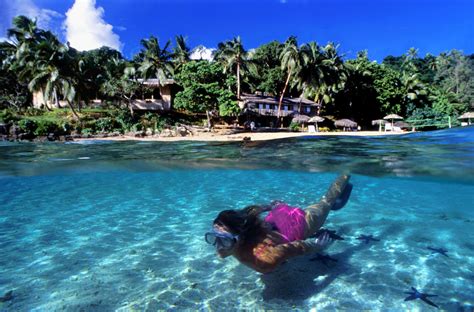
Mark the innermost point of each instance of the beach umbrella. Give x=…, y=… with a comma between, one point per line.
x=468, y=116
x=345, y=123
x=393, y=117
x=379, y=122
x=300, y=119
x=316, y=119
x=402, y=124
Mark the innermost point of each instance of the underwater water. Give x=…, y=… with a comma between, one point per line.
x=103, y=226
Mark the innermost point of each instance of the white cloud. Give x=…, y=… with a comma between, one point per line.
x=45, y=18
x=202, y=53
x=86, y=28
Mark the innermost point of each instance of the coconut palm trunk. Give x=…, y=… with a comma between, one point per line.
x=301, y=99
x=130, y=106
x=73, y=110
x=208, y=115
x=56, y=100
x=45, y=100
x=283, y=94
x=238, y=80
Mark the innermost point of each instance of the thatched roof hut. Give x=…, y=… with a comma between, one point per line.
x=316, y=119
x=402, y=124
x=300, y=119
x=379, y=122
x=346, y=124
x=468, y=116
x=155, y=82
x=393, y=117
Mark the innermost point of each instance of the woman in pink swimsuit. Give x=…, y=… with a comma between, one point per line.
x=284, y=233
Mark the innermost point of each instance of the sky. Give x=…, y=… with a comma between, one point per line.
x=383, y=27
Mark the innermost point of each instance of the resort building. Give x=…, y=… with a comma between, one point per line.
x=268, y=105
x=263, y=109
x=157, y=97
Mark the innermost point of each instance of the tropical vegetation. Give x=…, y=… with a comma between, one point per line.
x=35, y=61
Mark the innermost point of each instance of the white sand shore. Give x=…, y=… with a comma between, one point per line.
x=254, y=136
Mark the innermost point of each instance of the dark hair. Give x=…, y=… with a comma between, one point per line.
x=245, y=222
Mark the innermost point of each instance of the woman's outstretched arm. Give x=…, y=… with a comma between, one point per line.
x=270, y=257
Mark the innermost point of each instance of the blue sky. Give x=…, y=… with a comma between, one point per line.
x=383, y=27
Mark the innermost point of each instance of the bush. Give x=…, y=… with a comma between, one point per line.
x=8, y=116
x=124, y=119
x=149, y=121
x=31, y=111
x=86, y=131
x=28, y=126
x=106, y=124
x=294, y=127
x=46, y=126
x=162, y=123
x=67, y=127
x=88, y=127
x=324, y=129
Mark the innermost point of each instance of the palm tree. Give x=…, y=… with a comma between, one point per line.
x=409, y=61
x=155, y=62
x=24, y=37
x=41, y=61
x=412, y=86
x=181, y=52
x=311, y=74
x=24, y=30
x=49, y=73
x=125, y=86
x=233, y=55
x=411, y=54
x=333, y=75
x=290, y=62
x=431, y=62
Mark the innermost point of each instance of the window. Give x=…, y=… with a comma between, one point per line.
x=307, y=109
x=285, y=108
x=268, y=106
x=260, y=106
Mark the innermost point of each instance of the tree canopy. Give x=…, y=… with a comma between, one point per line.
x=35, y=60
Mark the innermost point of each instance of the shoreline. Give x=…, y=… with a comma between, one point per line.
x=251, y=136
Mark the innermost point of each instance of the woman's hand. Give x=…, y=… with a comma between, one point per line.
x=323, y=241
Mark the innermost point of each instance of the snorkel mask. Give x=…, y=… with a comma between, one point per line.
x=222, y=240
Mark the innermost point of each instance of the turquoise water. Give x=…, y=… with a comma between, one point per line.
x=119, y=226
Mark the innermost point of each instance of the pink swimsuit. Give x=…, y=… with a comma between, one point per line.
x=288, y=221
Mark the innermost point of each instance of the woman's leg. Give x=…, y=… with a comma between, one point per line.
x=316, y=214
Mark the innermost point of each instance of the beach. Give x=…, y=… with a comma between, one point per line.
x=251, y=136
